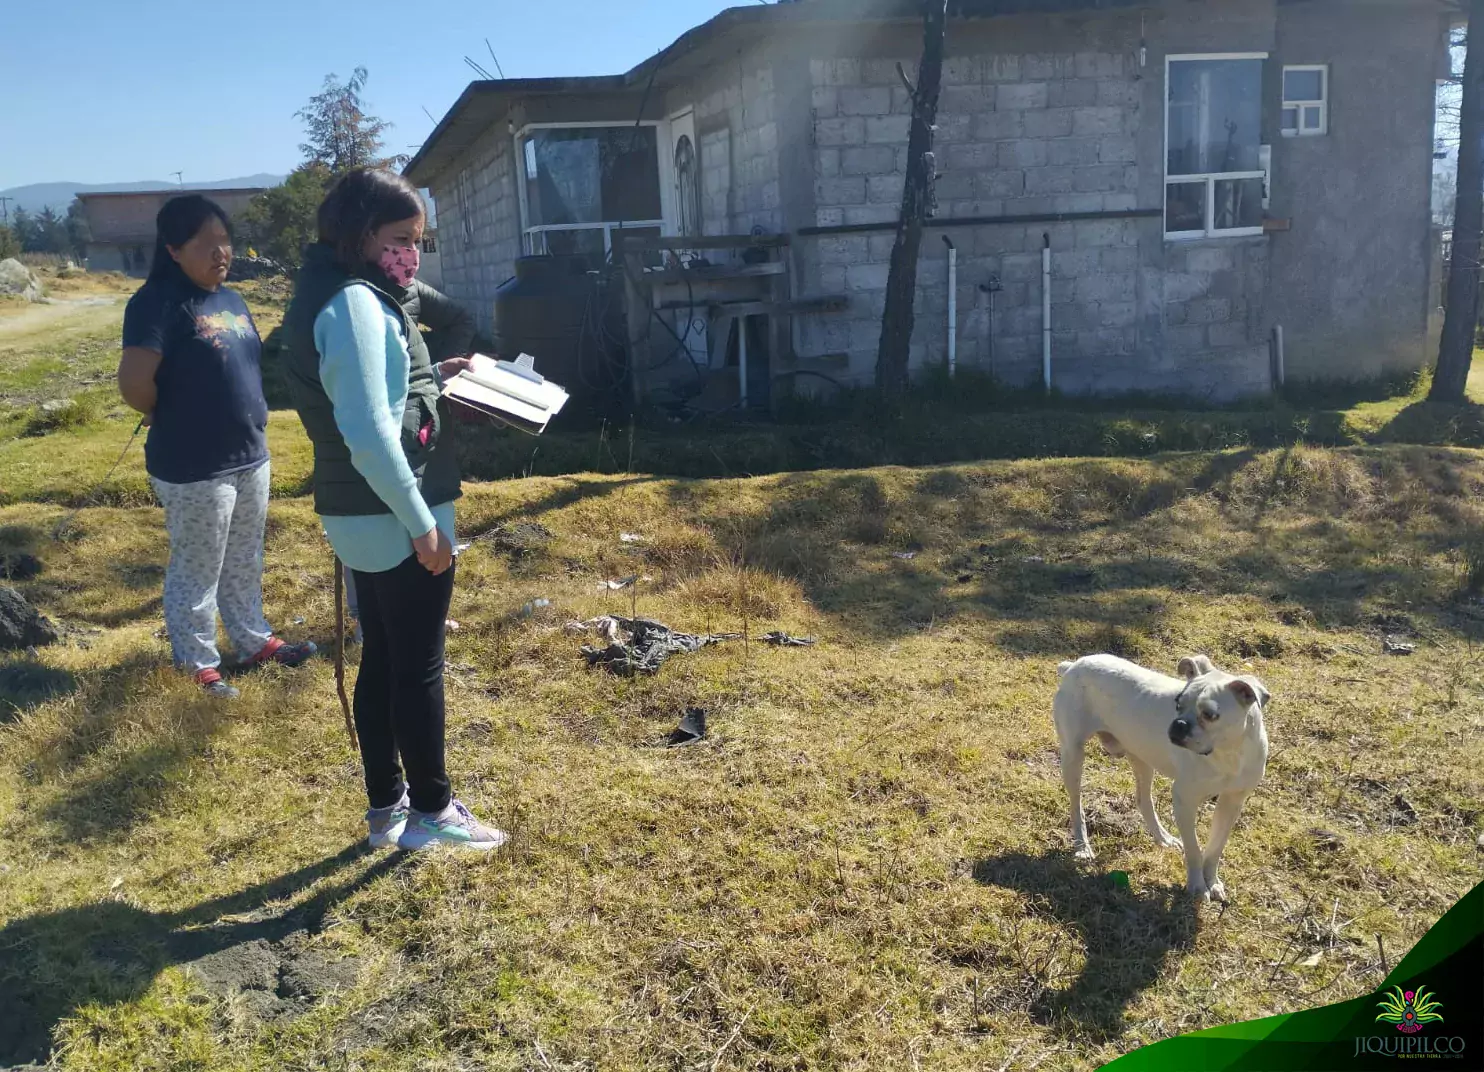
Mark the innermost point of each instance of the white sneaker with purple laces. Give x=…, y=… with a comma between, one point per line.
x=454, y=825
x=387, y=824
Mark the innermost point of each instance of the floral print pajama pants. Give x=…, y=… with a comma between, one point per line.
x=216, y=563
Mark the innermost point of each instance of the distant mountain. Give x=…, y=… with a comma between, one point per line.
x=59, y=195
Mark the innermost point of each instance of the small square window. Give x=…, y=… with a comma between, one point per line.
x=1305, y=101
x=1303, y=84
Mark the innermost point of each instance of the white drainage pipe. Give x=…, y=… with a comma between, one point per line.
x=1046, y=313
x=952, y=306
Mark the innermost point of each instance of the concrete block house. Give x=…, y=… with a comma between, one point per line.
x=121, y=225
x=1212, y=176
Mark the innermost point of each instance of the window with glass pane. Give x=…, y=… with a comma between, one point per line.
x=592, y=175
x=1305, y=101
x=1214, y=138
x=1215, y=116
x=1238, y=205
x=1185, y=207
x=586, y=243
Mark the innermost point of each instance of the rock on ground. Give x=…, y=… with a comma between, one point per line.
x=16, y=278
x=22, y=625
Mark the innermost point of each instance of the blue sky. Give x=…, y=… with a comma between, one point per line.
x=127, y=90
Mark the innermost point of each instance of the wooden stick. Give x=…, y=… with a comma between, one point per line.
x=350, y=722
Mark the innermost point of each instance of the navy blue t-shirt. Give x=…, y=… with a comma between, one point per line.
x=210, y=415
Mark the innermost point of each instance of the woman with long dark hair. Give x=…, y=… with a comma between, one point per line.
x=192, y=365
x=385, y=480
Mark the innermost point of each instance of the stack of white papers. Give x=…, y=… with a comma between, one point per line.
x=512, y=392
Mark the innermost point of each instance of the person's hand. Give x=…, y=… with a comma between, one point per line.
x=447, y=370
x=433, y=551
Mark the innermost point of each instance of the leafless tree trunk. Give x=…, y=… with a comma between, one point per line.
x=1456, y=353
x=894, y=352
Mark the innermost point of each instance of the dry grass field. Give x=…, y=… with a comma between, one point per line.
x=865, y=865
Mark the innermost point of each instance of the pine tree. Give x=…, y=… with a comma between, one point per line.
x=340, y=135
x=79, y=234
x=280, y=222
x=25, y=228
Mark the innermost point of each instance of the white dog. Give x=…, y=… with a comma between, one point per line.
x=1204, y=729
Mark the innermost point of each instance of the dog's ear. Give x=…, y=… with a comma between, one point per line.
x=1249, y=691
x=1193, y=666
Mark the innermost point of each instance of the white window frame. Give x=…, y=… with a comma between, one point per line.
x=1322, y=69
x=1211, y=178
x=529, y=234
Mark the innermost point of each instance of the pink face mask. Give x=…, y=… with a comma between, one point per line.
x=400, y=264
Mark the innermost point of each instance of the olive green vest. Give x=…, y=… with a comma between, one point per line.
x=427, y=430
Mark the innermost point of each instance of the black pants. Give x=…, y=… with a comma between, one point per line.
x=399, y=692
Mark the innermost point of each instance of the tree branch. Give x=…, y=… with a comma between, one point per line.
x=902, y=74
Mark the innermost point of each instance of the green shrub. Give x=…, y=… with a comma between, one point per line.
x=63, y=414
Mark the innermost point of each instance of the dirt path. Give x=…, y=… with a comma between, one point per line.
x=85, y=314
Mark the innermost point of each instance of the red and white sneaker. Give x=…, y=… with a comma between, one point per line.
x=290, y=655
x=210, y=680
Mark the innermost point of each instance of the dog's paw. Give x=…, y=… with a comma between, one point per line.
x=1217, y=891
x=1168, y=840
x=1084, y=852
x=1198, y=891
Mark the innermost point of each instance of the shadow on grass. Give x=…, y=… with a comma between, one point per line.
x=109, y=952
x=24, y=683
x=1085, y=558
x=127, y=788
x=1129, y=937
x=572, y=491
x=1436, y=424
x=112, y=794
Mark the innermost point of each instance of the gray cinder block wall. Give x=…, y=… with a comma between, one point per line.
x=479, y=234
x=737, y=128
x=1347, y=275
x=1037, y=116
x=1058, y=115
x=1051, y=114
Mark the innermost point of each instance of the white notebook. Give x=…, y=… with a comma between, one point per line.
x=512, y=392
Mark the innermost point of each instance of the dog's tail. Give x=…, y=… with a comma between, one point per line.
x=1061, y=671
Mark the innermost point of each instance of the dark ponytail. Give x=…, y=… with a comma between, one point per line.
x=180, y=219
x=358, y=204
